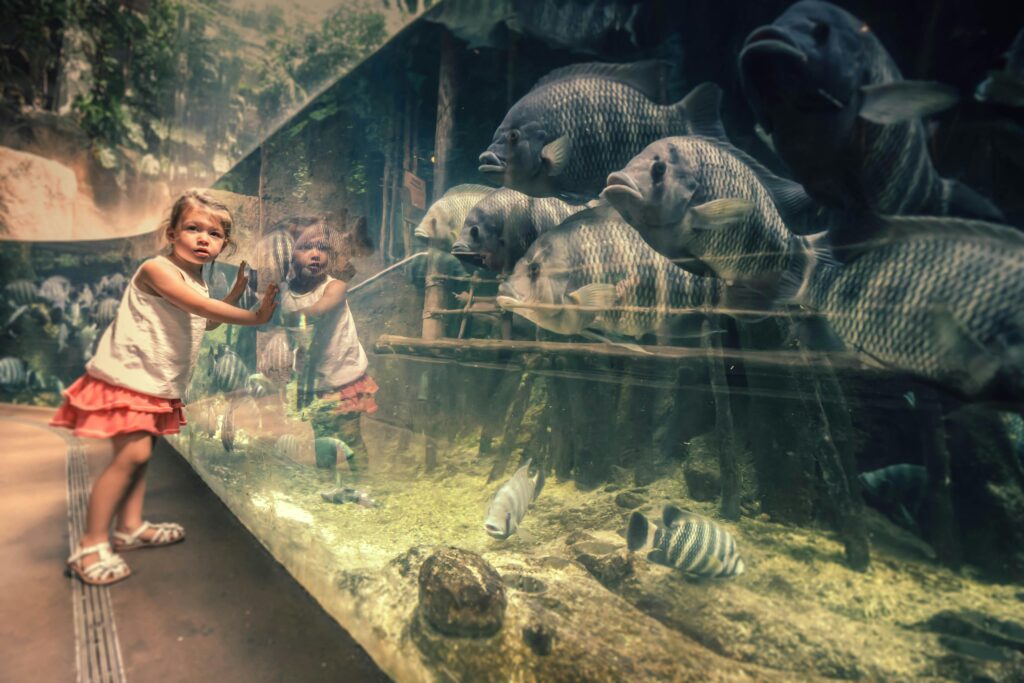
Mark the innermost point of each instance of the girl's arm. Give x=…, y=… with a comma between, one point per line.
x=241, y=281
x=168, y=284
x=333, y=298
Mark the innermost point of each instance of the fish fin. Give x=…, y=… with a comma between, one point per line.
x=595, y=295
x=963, y=201
x=673, y=515
x=980, y=365
x=639, y=534
x=702, y=111
x=717, y=214
x=887, y=103
x=538, y=484
x=594, y=336
x=890, y=229
x=807, y=254
x=557, y=153
x=765, y=137
x=645, y=75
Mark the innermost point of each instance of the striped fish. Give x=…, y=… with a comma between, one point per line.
x=687, y=541
x=230, y=371
x=511, y=501
x=275, y=359
x=843, y=118
x=274, y=257
x=597, y=260
x=257, y=385
x=445, y=217
x=293, y=447
x=106, y=311
x=500, y=227
x=13, y=372
x=578, y=124
x=56, y=289
x=21, y=292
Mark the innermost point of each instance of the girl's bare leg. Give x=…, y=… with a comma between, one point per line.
x=131, y=453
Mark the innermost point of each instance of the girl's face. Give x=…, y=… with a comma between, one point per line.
x=313, y=254
x=199, y=236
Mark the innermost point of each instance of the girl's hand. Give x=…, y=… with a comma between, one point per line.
x=241, y=281
x=267, y=305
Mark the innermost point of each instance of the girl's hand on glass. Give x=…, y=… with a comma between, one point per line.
x=267, y=305
x=241, y=280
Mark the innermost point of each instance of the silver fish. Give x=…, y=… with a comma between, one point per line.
x=21, y=292
x=275, y=359
x=500, y=227
x=88, y=336
x=1006, y=87
x=14, y=372
x=445, y=217
x=581, y=122
x=938, y=298
x=688, y=541
x=844, y=120
x=511, y=501
x=106, y=311
x=274, y=257
x=56, y=289
x=597, y=261
x=230, y=371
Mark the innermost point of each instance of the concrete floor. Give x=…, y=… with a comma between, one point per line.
x=217, y=607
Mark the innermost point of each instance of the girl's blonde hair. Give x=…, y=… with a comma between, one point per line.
x=199, y=198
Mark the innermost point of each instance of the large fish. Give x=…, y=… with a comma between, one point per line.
x=595, y=271
x=1007, y=86
x=445, y=217
x=939, y=298
x=274, y=257
x=500, y=227
x=511, y=501
x=843, y=119
x=702, y=198
x=896, y=490
x=581, y=122
x=687, y=541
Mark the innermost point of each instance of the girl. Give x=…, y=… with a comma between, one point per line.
x=335, y=362
x=130, y=392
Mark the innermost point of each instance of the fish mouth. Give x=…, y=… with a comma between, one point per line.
x=491, y=163
x=462, y=251
x=620, y=185
x=509, y=303
x=420, y=233
x=495, y=532
x=771, y=41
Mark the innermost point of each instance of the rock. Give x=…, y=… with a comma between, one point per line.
x=37, y=197
x=461, y=594
x=524, y=583
x=702, y=481
x=611, y=570
x=975, y=626
x=629, y=500
x=577, y=536
x=540, y=638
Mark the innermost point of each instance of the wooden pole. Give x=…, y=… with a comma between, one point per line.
x=446, y=95
x=725, y=432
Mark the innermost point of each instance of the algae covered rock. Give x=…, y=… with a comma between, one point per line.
x=461, y=594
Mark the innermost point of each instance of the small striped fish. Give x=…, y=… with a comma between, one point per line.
x=56, y=289
x=293, y=447
x=689, y=542
x=21, y=292
x=274, y=257
x=13, y=372
x=275, y=359
x=230, y=371
x=512, y=500
x=106, y=311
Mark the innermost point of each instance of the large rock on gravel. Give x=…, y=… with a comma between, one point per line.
x=461, y=594
x=37, y=197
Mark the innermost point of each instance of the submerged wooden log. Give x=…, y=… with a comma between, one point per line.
x=513, y=422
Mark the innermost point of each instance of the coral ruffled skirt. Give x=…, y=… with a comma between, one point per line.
x=94, y=408
x=356, y=396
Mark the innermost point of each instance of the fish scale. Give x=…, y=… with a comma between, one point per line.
x=882, y=305
x=13, y=372
x=445, y=218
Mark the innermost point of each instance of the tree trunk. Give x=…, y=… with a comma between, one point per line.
x=446, y=95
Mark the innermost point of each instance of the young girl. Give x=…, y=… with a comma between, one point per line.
x=315, y=309
x=132, y=386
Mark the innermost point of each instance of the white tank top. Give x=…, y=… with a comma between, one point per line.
x=152, y=345
x=335, y=348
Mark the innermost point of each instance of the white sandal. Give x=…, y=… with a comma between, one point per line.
x=167, y=533
x=110, y=568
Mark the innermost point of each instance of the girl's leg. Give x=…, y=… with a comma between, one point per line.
x=129, y=515
x=131, y=452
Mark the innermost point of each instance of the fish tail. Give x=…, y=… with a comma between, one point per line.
x=539, y=483
x=641, y=532
x=701, y=111
x=961, y=200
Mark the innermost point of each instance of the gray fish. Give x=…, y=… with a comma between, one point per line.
x=112, y=285
x=843, y=119
x=85, y=296
x=275, y=359
x=75, y=315
x=688, y=541
x=106, y=311
x=88, y=336
x=702, y=198
x=896, y=490
x=258, y=385
x=1007, y=86
x=445, y=217
x=581, y=122
x=499, y=228
x=597, y=261
x=274, y=257
x=230, y=371
x=347, y=494
x=14, y=372
x=63, y=332
x=939, y=298
x=21, y=292
x=56, y=289
x=511, y=501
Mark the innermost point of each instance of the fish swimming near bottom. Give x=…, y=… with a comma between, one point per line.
x=347, y=494
x=687, y=541
x=896, y=490
x=510, y=503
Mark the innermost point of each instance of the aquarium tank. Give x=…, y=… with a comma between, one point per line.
x=617, y=340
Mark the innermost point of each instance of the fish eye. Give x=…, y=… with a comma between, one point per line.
x=658, y=170
x=474, y=233
x=820, y=32
x=534, y=270
x=513, y=136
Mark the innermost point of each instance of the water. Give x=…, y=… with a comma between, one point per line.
x=739, y=412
